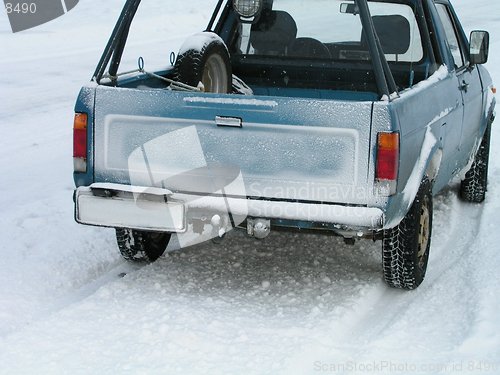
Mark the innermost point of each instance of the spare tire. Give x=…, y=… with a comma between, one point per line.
x=204, y=58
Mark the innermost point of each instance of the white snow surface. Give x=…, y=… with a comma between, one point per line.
x=236, y=101
x=292, y=304
x=198, y=41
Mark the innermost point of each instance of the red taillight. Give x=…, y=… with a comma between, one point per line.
x=80, y=142
x=387, y=156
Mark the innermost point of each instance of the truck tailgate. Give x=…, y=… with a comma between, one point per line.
x=283, y=148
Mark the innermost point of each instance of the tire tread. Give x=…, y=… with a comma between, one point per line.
x=139, y=246
x=473, y=188
x=399, y=246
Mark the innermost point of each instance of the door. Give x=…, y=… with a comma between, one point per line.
x=468, y=82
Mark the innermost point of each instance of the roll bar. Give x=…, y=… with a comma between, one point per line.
x=114, y=49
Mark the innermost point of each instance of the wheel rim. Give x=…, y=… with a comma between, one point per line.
x=424, y=232
x=214, y=77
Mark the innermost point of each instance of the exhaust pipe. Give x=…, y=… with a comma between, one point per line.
x=258, y=228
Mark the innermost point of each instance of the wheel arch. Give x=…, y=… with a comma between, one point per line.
x=427, y=165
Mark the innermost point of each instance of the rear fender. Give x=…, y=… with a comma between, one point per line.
x=85, y=104
x=427, y=165
x=434, y=164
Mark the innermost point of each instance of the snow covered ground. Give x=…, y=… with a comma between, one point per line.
x=288, y=305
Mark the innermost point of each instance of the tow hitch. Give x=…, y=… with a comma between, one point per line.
x=258, y=228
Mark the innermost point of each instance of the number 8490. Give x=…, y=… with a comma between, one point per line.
x=20, y=8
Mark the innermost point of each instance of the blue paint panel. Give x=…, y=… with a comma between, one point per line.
x=285, y=143
x=85, y=104
x=316, y=94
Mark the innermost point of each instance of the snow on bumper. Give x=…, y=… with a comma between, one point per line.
x=125, y=207
x=161, y=210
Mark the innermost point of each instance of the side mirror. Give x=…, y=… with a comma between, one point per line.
x=479, y=47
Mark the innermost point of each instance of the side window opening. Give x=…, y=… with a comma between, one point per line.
x=451, y=36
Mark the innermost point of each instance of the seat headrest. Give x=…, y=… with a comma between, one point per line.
x=273, y=33
x=394, y=33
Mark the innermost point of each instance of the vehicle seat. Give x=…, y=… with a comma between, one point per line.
x=393, y=32
x=273, y=33
x=309, y=48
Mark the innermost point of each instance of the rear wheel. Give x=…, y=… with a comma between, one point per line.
x=405, y=248
x=474, y=186
x=141, y=246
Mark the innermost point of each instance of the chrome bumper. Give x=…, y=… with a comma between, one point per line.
x=121, y=206
x=154, y=209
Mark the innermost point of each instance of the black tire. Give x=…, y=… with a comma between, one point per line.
x=209, y=64
x=405, y=248
x=140, y=246
x=473, y=188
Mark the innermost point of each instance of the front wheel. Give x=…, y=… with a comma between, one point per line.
x=141, y=246
x=474, y=186
x=405, y=248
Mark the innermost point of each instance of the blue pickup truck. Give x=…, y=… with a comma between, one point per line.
x=343, y=116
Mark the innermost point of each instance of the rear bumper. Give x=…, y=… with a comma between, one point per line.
x=122, y=206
